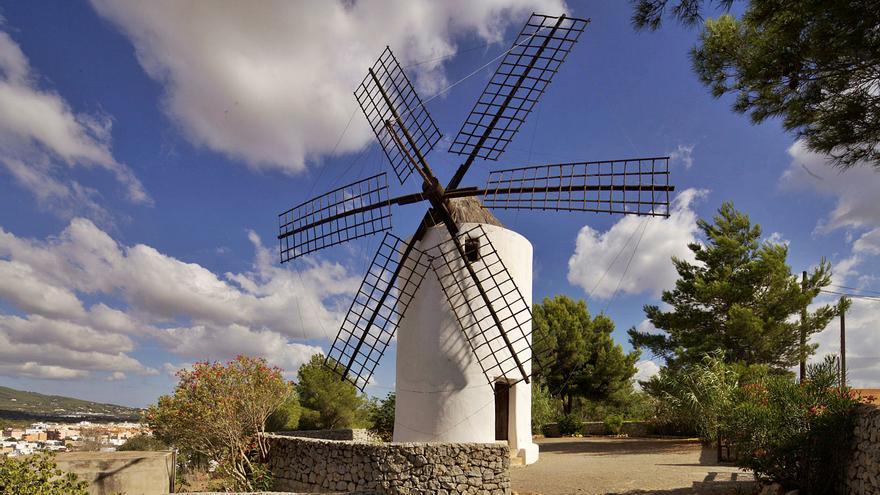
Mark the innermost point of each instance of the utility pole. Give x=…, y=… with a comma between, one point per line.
x=804, y=329
x=842, y=343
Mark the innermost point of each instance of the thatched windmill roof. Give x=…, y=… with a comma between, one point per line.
x=470, y=210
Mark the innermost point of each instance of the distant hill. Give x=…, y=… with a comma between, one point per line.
x=18, y=404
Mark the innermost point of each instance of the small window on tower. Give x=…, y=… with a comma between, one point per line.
x=472, y=249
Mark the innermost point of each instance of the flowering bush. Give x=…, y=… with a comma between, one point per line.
x=794, y=433
x=37, y=475
x=218, y=411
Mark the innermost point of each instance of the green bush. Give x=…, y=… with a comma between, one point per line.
x=382, y=417
x=794, y=433
x=543, y=408
x=37, y=475
x=570, y=424
x=696, y=397
x=614, y=424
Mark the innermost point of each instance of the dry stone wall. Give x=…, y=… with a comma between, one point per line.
x=308, y=464
x=630, y=428
x=863, y=472
x=357, y=435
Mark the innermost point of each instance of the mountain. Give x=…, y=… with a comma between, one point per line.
x=18, y=404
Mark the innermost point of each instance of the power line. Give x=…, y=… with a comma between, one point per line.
x=854, y=296
x=625, y=270
x=457, y=52
x=613, y=261
x=855, y=289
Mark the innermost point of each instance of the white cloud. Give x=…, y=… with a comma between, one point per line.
x=863, y=342
x=645, y=326
x=646, y=369
x=185, y=307
x=116, y=376
x=601, y=259
x=683, y=154
x=41, y=138
x=856, y=208
x=212, y=342
x=854, y=190
x=271, y=83
x=777, y=238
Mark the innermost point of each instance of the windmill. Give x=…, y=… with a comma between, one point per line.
x=481, y=294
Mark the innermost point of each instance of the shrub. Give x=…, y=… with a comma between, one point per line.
x=795, y=433
x=37, y=475
x=542, y=407
x=614, y=423
x=570, y=425
x=382, y=417
x=695, y=396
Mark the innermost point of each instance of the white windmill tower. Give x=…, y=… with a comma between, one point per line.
x=464, y=341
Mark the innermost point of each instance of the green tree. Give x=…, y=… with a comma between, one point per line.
x=37, y=475
x=813, y=63
x=219, y=411
x=382, y=417
x=739, y=297
x=143, y=442
x=582, y=359
x=286, y=417
x=327, y=401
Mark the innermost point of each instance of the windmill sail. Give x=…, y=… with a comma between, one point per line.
x=394, y=276
x=638, y=186
x=391, y=105
x=520, y=80
x=490, y=308
x=355, y=210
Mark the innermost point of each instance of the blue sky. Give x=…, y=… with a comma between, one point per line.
x=146, y=149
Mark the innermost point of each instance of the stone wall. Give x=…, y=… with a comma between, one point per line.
x=630, y=428
x=144, y=473
x=307, y=464
x=863, y=472
x=357, y=435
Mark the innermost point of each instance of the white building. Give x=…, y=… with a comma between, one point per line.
x=442, y=391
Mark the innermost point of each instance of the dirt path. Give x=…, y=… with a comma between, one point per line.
x=618, y=466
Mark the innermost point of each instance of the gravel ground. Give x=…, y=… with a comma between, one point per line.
x=627, y=466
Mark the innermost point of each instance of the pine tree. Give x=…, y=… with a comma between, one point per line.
x=812, y=63
x=740, y=297
x=583, y=359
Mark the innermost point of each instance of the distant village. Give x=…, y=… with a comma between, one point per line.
x=61, y=437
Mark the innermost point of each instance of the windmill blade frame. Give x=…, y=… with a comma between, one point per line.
x=515, y=88
x=394, y=276
x=475, y=285
x=388, y=99
x=635, y=186
x=351, y=211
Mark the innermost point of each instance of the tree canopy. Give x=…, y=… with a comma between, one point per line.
x=327, y=402
x=739, y=297
x=815, y=64
x=583, y=359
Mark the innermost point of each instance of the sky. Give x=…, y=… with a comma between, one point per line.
x=146, y=149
